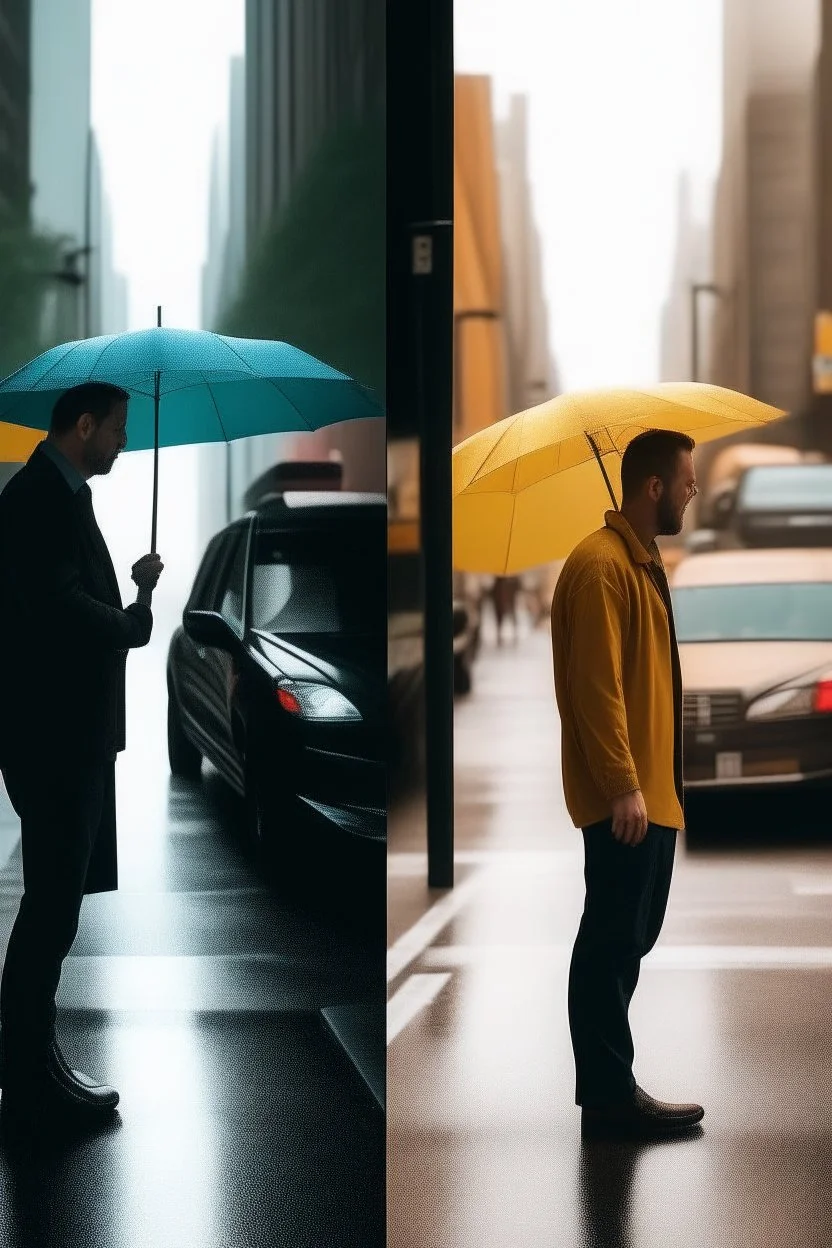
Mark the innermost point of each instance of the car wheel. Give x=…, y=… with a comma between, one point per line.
x=184, y=758
x=273, y=828
x=462, y=676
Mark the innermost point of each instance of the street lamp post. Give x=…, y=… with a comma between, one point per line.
x=697, y=289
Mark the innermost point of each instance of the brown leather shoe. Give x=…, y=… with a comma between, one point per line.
x=640, y=1117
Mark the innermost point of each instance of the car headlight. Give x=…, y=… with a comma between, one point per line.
x=309, y=700
x=792, y=703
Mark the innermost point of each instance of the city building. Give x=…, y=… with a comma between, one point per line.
x=61, y=155
x=532, y=370
x=15, y=76
x=309, y=66
x=303, y=171
x=764, y=260
x=85, y=296
x=480, y=356
x=108, y=290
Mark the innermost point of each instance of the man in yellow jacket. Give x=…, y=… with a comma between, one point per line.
x=619, y=693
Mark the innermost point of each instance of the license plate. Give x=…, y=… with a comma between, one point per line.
x=728, y=766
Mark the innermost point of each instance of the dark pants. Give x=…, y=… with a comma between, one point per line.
x=61, y=811
x=626, y=897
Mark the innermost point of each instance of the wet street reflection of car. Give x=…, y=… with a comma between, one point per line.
x=278, y=676
x=755, y=642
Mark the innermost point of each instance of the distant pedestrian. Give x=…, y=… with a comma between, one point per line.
x=505, y=592
x=619, y=693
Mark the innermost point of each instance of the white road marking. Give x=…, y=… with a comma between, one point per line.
x=417, y=992
x=408, y=864
x=668, y=957
x=412, y=943
x=812, y=886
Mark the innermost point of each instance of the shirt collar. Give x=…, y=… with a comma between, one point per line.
x=639, y=554
x=68, y=471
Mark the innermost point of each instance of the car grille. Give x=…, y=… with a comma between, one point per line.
x=711, y=710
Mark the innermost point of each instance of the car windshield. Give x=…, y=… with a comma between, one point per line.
x=315, y=582
x=787, y=487
x=780, y=612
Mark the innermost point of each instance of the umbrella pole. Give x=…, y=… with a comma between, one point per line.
x=156, y=386
x=597, y=455
x=156, y=381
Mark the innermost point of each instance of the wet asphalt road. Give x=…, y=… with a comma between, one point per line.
x=202, y=991
x=734, y=1009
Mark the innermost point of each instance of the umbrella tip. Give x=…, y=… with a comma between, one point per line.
x=159, y=316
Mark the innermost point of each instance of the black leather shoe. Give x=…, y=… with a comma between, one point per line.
x=54, y=1093
x=97, y=1094
x=80, y=1084
x=640, y=1117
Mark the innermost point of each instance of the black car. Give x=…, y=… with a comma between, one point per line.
x=278, y=675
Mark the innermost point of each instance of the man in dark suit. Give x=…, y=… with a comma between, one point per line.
x=64, y=637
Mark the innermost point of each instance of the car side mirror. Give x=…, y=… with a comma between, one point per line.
x=208, y=628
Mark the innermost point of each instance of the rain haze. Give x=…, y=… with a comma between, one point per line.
x=622, y=100
x=159, y=93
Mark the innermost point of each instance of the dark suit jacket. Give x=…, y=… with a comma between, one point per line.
x=64, y=634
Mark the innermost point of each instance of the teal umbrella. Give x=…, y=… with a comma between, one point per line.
x=190, y=386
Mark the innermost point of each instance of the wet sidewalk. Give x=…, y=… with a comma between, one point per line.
x=734, y=1009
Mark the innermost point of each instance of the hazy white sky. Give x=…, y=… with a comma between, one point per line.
x=159, y=89
x=623, y=97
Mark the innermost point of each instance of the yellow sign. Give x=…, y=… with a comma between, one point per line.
x=822, y=362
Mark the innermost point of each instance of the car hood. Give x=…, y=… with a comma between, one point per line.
x=750, y=667
x=356, y=665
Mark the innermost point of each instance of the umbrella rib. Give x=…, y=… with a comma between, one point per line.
x=509, y=423
x=70, y=346
x=216, y=409
x=226, y=343
x=270, y=381
x=106, y=347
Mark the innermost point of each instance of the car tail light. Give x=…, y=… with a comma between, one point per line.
x=289, y=702
x=823, y=696
x=314, y=700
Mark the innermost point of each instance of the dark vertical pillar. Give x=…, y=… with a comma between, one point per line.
x=420, y=356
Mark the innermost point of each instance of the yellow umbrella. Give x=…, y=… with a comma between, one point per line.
x=529, y=488
x=17, y=443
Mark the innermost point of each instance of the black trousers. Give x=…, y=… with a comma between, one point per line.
x=627, y=889
x=61, y=811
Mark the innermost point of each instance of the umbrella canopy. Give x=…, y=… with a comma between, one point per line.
x=190, y=386
x=529, y=488
x=211, y=389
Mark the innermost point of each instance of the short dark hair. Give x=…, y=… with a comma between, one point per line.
x=651, y=454
x=96, y=397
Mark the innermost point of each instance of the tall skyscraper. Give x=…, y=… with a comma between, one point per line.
x=15, y=76
x=764, y=253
